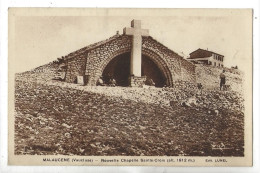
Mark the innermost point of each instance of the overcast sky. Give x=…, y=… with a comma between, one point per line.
x=41, y=39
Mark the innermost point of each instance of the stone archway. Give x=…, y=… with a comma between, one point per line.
x=119, y=69
x=91, y=61
x=153, y=67
x=152, y=71
x=161, y=64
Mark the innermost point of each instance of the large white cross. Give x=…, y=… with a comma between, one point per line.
x=136, y=53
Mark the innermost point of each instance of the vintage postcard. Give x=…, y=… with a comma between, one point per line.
x=149, y=87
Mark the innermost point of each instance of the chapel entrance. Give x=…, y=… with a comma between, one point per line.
x=119, y=69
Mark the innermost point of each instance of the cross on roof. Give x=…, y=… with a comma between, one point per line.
x=136, y=52
x=136, y=30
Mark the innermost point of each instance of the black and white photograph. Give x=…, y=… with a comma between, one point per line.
x=121, y=86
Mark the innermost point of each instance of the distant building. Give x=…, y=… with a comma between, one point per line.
x=206, y=57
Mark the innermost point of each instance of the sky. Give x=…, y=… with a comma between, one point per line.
x=45, y=36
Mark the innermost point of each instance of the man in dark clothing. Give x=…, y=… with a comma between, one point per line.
x=199, y=86
x=222, y=79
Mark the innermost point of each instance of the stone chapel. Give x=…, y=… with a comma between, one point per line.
x=130, y=58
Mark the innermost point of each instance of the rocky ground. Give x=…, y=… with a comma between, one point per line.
x=208, y=76
x=53, y=117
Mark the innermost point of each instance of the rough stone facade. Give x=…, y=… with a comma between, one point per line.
x=75, y=67
x=90, y=61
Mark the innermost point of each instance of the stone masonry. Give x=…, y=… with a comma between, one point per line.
x=89, y=62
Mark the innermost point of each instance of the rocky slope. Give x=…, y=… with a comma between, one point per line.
x=53, y=117
x=209, y=77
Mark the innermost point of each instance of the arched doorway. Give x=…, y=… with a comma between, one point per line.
x=119, y=69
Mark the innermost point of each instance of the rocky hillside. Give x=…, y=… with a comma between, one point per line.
x=41, y=74
x=84, y=120
x=77, y=121
x=208, y=76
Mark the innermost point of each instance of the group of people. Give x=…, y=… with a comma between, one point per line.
x=111, y=82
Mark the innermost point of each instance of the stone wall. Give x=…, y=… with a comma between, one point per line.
x=188, y=71
x=75, y=67
x=179, y=68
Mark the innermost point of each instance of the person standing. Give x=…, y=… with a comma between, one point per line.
x=222, y=79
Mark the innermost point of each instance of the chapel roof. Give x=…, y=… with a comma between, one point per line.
x=100, y=43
